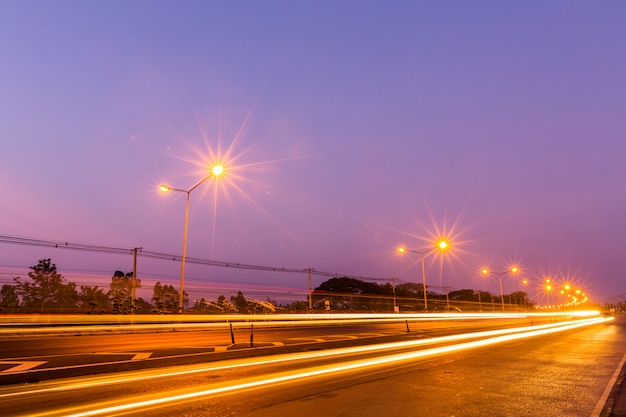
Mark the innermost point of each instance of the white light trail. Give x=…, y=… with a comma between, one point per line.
x=90, y=382
x=88, y=324
x=497, y=336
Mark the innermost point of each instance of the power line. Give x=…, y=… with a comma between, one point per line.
x=63, y=245
x=165, y=256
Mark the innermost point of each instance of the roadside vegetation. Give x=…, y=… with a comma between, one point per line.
x=47, y=291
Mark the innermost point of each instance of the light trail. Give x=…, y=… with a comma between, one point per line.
x=52, y=323
x=331, y=352
x=240, y=323
x=107, y=408
x=181, y=371
x=495, y=336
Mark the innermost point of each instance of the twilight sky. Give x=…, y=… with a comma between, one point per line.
x=347, y=128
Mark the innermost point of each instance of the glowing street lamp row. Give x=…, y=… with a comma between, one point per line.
x=547, y=285
x=576, y=296
x=514, y=269
x=443, y=245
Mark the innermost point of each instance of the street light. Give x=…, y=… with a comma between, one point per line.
x=216, y=171
x=545, y=285
x=513, y=270
x=441, y=245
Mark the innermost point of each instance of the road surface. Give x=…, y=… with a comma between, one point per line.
x=568, y=373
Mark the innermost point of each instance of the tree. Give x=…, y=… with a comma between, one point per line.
x=9, y=299
x=165, y=298
x=93, y=297
x=410, y=289
x=239, y=301
x=142, y=305
x=200, y=306
x=410, y=296
x=67, y=296
x=349, y=286
x=47, y=289
x=260, y=306
x=222, y=305
x=519, y=298
x=343, y=294
x=297, y=306
x=463, y=295
x=121, y=291
x=122, y=285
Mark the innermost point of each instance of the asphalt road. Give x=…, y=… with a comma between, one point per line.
x=560, y=374
x=556, y=375
x=33, y=359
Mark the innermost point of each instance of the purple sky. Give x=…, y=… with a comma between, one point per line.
x=353, y=126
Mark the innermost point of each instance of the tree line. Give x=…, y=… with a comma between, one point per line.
x=47, y=291
x=350, y=294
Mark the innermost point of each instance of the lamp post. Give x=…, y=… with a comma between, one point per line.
x=393, y=288
x=526, y=282
x=441, y=245
x=548, y=289
x=513, y=270
x=216, y=171
x=546, y=286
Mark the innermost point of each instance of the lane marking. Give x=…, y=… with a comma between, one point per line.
x=221, y=348
x=607, y=391
x=136, y=355
x=20, y=366
x=308, y=338
x=141, y=355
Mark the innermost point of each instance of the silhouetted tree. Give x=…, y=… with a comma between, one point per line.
x=261, y=306
x=463, y=295
x=165, y=298
x=240, y=302
x=200, y=306
x=352, y=294
x=142, y=305
x=93, y=297
x=410, y=289
x=9, y=299
x=519, y=298
x=47, y=290
x=297, y=306
x=121, y=292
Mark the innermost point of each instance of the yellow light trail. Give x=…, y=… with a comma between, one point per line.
x=335, y=352
x=54, y=324
x=496, y=336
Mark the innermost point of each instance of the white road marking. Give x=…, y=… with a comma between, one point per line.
x=20, y=366
x=308, y=339
x=221, y=348
x=607, y=391
x=136, y=355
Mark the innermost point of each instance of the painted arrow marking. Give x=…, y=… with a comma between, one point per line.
x=20, y=366
x=136, y=355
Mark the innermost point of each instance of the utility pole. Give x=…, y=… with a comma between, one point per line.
x=310, y=291
x=134, y=280
x=393, y=287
